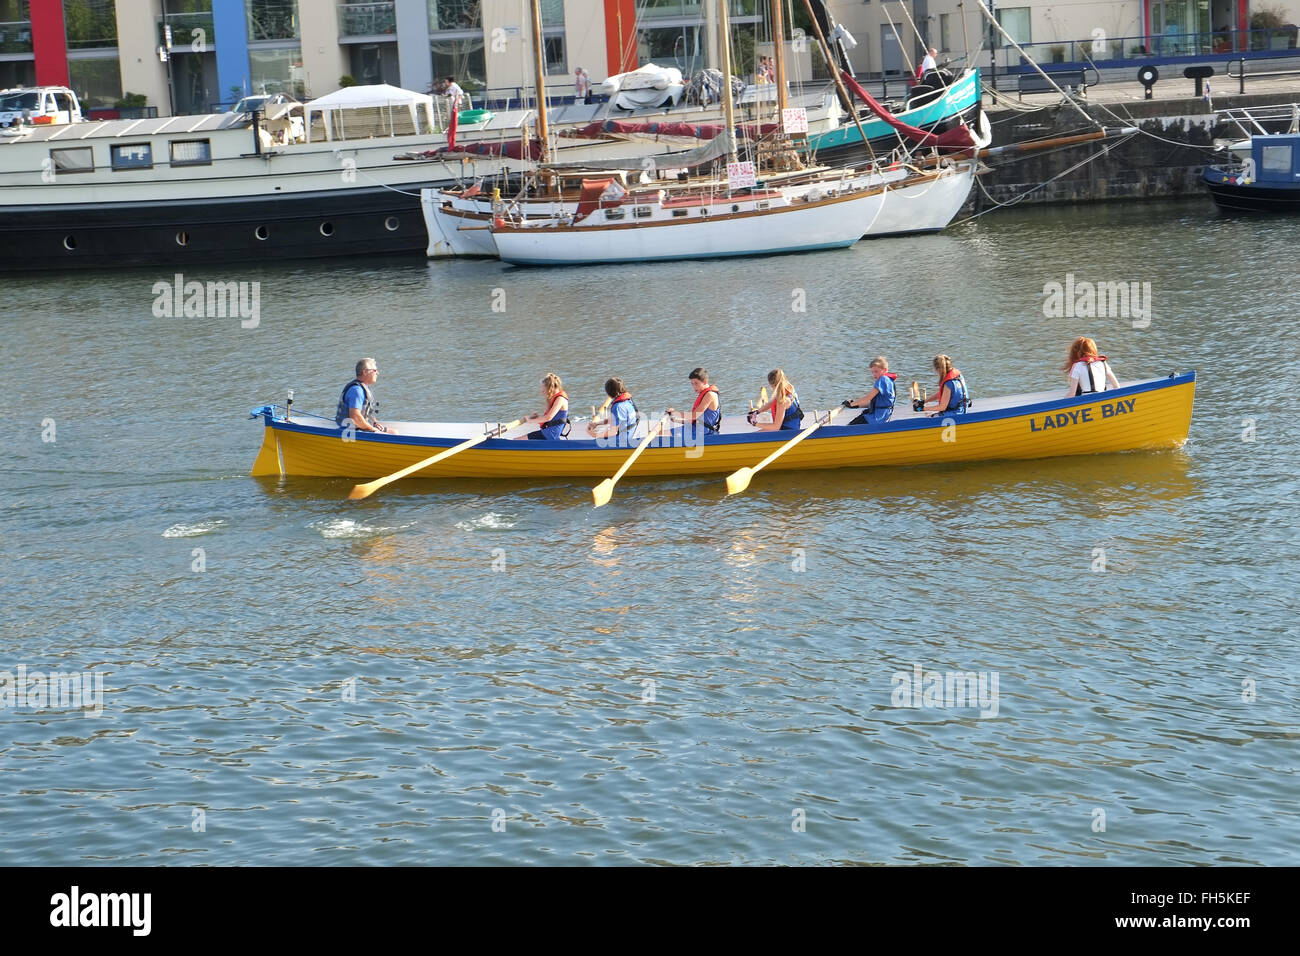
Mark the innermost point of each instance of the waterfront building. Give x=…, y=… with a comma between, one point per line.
x=1109, y=33
x=193, y=56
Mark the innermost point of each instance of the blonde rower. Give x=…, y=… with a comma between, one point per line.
x=786, y=413
x=556, y=416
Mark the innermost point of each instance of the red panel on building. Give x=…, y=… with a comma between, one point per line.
x=620, y=35
x=49, y=43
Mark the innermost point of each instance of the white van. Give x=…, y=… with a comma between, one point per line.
x=39, y=106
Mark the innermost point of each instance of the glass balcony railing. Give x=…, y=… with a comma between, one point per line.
x=273, y=20
x=454, y=15
x=676, y=9
x=16, y=37
x=367, y=19
x=190, y=31
x=1229, y=43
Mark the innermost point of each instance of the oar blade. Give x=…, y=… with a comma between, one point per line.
x=363, y=491
x=601, y=494
x=738, y=481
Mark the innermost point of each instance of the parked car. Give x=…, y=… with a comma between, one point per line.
x=39, y=106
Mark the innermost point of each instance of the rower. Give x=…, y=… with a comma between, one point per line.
x=786, y=413
x=555, y=419
x=879, y=402
x=953, y=398
x=357, y=405
x=707, y=409
x=622, y=420
x=1088, y=371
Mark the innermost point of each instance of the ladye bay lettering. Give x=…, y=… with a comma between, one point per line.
x=1078, y=416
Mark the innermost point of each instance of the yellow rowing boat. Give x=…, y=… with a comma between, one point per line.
x=1147, y=414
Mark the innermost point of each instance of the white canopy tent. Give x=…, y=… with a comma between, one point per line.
x=415, y=109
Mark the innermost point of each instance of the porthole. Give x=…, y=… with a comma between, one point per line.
x=327, y=228
x=391, y=223
x=735, y=208
x=182, y=238
x=69, y=242
x=262, y=233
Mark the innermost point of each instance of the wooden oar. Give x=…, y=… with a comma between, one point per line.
x=366, y=490
x=738, y=481
x=601, y=494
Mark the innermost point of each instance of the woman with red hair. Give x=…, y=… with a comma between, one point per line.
x=1088, y=371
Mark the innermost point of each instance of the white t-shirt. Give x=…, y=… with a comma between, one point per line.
x=456, y=94
x=928, y=64
x=1079, y=375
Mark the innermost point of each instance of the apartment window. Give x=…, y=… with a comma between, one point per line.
x=15, y=30
x=272, y=19
x=945, y=34
x=77, y=160
x=131, y=156
x=98, y=81
x=278, y=71
x=556, y=63
x=90, y=24
x=1015, y=20
x=456, y=40
x=191, y=152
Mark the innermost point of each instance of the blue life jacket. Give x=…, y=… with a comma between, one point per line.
x=958, y=397
x=793, y=419
x=369, y=408
x=710, y=418
x=625, y=432
x=881, y=406
x=553, y=429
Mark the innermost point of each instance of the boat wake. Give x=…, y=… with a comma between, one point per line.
x=490, y=522
x=193, y=530
x=351, y=528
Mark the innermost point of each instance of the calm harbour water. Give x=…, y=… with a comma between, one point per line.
x=350, y=683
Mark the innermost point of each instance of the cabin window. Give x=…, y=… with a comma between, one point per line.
x=678, y=213
x=613, y=214
x=132, y=156
x=1276, y=159
x=641, y=212
x=191, y=152
x=762, y=205
x=77, y=160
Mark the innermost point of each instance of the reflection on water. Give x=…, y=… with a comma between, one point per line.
x=668, y=678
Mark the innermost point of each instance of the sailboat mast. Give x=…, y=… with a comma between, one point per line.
x=778, y=57
x=543, y=133
x=728, y=110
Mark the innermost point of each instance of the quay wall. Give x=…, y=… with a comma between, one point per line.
x=1165, y=164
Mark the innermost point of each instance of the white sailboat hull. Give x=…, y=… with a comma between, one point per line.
x=830, y=224
x=918, y=204
x=926, y=207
